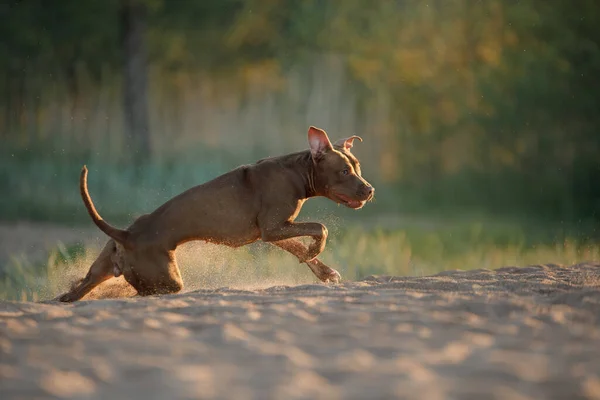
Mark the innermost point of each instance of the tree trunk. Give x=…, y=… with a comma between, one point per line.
x=135, y=83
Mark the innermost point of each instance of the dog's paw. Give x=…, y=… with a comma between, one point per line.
x=332, y=276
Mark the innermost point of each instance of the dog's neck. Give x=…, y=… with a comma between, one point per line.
x=303, y=166
x=311, y=184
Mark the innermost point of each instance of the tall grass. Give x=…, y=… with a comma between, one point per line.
x=201, y=126
x=248, y=112
x=419, y=248
x=204, y=124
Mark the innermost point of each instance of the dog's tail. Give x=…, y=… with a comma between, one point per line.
x=118, y=235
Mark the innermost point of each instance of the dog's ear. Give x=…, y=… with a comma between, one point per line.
x=318, y=141
x=347, y=143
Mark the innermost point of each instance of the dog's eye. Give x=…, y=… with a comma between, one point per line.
x=345, y=171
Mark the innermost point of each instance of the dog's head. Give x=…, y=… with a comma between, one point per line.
x=337, y=171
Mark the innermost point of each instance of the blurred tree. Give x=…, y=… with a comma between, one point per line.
x=135, y=82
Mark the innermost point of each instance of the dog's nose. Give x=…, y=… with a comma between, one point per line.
x=369, y=190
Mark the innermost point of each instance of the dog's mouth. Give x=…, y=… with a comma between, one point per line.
x=349, y=202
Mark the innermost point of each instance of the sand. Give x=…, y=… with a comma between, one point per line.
x=512, y=333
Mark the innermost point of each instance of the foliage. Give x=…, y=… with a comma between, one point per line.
x=487, y=105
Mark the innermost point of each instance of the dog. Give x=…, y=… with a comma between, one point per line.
x=251, y=202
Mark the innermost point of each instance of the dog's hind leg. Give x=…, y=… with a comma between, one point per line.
x=100, y=271
x=321, y=271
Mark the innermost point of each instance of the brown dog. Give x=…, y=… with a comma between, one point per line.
x=252, y=202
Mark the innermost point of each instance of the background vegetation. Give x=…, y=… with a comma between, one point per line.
x=470, y=110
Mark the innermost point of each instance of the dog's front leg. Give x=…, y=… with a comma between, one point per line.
x=100, y=271
x=321, y=271
x=290, y=230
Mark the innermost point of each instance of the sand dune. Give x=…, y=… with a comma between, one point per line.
x=512, y=333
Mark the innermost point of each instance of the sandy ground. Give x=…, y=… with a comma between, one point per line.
x=512, y=333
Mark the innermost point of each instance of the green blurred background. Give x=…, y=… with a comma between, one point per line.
x=479, y=118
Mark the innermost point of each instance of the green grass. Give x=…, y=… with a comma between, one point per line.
x=419, y=247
